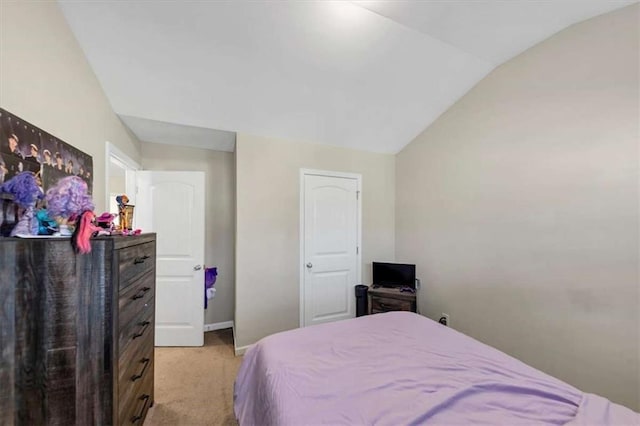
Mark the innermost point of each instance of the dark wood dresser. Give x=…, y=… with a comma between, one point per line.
x=76, y=331
x=383, y=299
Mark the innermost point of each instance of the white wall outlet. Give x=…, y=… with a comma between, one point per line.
x=444, y=320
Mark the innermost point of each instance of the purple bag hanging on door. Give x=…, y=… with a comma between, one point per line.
x=210, y=275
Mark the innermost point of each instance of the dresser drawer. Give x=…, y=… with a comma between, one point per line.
x=135, y=332
x=385, y=304
x=134, y=261
x=135, y=299
x=133, y=363
x=133, y=407
x=134, y=370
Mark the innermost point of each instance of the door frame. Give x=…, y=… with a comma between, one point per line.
x=115, y=154
x=326, y=173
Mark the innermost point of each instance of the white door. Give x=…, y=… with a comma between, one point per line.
x=172, y=205
x=330, y=253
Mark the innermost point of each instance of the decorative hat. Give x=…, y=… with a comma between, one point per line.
x=105, y=217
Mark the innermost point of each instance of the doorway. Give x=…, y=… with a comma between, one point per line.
x=119, y=178
x=330, y=241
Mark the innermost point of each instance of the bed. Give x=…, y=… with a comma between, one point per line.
x=400, y=368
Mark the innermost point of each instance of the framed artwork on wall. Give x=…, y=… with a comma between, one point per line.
x=25, y=147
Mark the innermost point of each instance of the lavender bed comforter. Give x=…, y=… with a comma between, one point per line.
x=401, y=368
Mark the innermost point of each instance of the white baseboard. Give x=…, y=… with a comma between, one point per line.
x=218, y=325
x=241, y=350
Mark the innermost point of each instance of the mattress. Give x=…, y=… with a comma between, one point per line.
x=400, y=368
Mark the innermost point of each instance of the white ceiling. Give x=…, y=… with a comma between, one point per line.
x=366, y=75
x=491, y=30
x=176, y=134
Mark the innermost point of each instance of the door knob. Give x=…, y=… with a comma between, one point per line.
x=197, y=268
x=309, y=265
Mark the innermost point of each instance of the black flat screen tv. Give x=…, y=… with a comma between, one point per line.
x=394, y=274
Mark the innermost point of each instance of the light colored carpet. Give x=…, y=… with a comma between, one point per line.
x=194, y=386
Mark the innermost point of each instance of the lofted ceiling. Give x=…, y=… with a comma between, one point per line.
x=367, y=75
x=177, y=134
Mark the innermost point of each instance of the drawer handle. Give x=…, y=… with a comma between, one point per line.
x=141, y=293
x=138, y=417
x=144, y=361
x=144, y=325
x=138, y=260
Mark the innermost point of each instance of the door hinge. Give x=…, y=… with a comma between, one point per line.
x=357, y=250
x=357, y=195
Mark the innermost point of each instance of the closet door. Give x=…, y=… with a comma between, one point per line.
x=331, y=228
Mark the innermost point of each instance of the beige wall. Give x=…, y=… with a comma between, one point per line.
x=520, y=207
x=46, y=80
x=219, y=213
x=117, y=184
x=268, y=235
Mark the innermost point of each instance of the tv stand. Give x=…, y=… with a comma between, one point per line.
x=386, y=299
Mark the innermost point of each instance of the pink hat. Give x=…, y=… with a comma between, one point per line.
x=105, y=217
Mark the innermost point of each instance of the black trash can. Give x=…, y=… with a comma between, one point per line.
x=362, y=301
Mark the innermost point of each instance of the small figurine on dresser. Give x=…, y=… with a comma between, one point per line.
x=26, y=191
x=125, y=213
x=67, y=200
x=46, y=225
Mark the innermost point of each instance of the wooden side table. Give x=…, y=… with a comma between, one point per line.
x=383, y=299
